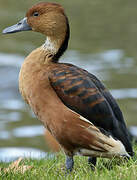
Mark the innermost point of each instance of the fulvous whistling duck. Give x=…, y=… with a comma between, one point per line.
x=73, y=104
x=51, y=142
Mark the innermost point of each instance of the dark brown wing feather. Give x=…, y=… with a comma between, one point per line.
x=85, y=94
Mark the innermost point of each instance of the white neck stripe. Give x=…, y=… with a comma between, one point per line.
x=50, y=46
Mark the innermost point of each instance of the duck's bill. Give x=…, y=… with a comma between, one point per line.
x=20, y=26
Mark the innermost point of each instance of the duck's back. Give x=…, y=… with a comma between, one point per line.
x=85, y=94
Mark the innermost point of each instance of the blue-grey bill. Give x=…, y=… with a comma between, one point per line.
x=20, y=26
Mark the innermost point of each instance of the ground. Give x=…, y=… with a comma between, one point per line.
x=54, y=169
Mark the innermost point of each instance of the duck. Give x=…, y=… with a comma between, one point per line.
x=52, y=144
x=73, y=104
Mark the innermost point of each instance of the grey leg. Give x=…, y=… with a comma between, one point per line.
x=92, y=162
x=69, y=163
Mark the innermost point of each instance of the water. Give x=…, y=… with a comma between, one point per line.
x=103, y=41
x=12, y=153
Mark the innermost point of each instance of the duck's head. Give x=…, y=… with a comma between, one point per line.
x=48, y=19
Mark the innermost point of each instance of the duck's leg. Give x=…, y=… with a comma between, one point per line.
x=69, y=163
x=92, y=162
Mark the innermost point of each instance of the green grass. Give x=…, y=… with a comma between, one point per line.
x=54, y=169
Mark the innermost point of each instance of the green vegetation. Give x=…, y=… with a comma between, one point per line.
x=50, y=169
x=95, y=26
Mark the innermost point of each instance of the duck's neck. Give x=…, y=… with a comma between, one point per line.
x=56, y=46
x=51, y=46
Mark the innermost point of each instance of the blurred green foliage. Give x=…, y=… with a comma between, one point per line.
x=95, y=25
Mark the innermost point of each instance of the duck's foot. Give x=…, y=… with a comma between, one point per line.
x=69, y=164
x=92, y=162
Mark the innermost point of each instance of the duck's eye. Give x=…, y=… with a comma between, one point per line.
x=35, y=14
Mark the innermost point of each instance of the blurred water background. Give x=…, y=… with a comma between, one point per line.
x=103, y=41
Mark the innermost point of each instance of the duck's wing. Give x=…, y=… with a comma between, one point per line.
x=83, y=93
x=104, y=91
